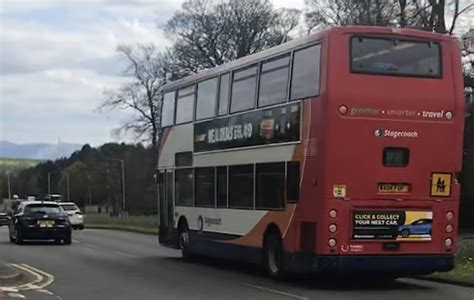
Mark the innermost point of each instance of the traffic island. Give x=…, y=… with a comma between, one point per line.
x=9, y=275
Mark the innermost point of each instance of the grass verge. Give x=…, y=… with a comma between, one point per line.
x=463, y=273
x=140, y=224
x=130, y=228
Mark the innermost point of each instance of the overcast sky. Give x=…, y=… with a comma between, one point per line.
x=58, y=56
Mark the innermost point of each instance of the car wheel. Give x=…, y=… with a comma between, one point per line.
x=405, y=233
x=273, y=255
x=12, y=240
x=19, y=236
x=81, y=227
x=183, y=235
x=67, y=240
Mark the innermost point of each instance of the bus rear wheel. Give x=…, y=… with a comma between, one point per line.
x=273, y=256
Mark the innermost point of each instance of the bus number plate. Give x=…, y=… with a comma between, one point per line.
x=394, y=188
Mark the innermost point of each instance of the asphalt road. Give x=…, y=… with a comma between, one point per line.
x=102, y=264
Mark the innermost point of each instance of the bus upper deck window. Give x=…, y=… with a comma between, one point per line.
x=396, y=157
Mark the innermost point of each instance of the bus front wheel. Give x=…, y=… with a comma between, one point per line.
x=273, y=256
x=183, y=235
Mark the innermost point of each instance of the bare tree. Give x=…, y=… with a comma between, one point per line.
x=209, y=33
x=141, y=95
x=349, y=12
x=429, y=15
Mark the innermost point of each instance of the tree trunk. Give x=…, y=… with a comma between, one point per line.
x=440, y=25
x=403, y=19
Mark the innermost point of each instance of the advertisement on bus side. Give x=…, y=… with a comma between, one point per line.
x=392, y=225
x=275, y=125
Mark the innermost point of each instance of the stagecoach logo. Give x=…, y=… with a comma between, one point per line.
x=378, y=132
x=208, y=222
x=395, y=134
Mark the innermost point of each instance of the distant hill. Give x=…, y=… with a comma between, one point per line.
x=16, y=164
x=37, y=151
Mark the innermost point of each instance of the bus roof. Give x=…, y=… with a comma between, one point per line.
x=297, y=43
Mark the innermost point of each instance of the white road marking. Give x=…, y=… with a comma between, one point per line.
x=16, y=295
x=75, y=241
x=90, y=246
x=126, y=254
x=8, y=289
x=44, y=291
x=282, y=293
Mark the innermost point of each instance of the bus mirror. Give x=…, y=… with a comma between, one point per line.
x=469, y=101
x=469, y=107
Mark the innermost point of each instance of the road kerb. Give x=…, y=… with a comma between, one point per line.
x=446, y=281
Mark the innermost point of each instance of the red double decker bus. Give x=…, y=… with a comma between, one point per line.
x=337, y=152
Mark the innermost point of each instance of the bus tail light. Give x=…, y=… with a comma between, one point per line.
x=333, y=213
x=343, y=109
x=448, y=242
x=332, y=228
x=449, y=228
x=449, y=215
x=332, y=243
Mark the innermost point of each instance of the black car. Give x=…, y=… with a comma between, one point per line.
x=40, y=220
x=4, y=219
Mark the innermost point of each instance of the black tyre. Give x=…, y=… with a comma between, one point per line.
x=67, y=239
x=183, y=240
x=19, y=236
x=405, y=233
x=273, y=256
x=12, y=240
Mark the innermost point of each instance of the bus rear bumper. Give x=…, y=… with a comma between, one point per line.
x=401, y=265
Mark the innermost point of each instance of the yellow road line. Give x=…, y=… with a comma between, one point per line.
x=42, y=279
x=49, y=277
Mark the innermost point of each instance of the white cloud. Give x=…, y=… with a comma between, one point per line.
x=43, y=106
x=58, y=57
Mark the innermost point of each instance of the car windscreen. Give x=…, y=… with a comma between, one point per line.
x=69, y=207
x=391, y=56
x=42, y=209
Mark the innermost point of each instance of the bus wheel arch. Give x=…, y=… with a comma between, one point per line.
x=272, y=248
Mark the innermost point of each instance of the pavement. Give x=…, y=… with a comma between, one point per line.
x=104, y=264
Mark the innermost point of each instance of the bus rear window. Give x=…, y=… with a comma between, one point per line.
x=374, y=55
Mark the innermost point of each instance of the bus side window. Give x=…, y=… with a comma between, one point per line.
x=204, y=186
x=167, y=117
x=184, y=187
x=221, y=181
x=244, y=85
x=206, y=99
x=185, y=105
x=224, y=94
x=293, y=181
x=270, y=182
x=305, y=79
x=241, y=186
x=274, y=81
